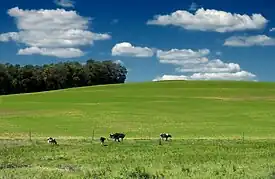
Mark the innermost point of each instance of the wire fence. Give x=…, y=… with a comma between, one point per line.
x=95, y=137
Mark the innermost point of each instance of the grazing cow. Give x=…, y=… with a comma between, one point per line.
x=117, y=136
x=165, y=135
x=102, y=139
x=51, y=140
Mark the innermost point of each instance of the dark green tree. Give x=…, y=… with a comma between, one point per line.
x=25, y=79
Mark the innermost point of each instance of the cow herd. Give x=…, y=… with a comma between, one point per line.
x=116, y=137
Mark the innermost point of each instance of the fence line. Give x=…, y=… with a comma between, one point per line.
x=94, y=137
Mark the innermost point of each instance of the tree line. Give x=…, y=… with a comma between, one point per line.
x=16, y=79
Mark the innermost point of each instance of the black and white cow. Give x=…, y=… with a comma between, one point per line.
x=51, y=140
x=117, y=136
x=102, y=139
x=165, y=135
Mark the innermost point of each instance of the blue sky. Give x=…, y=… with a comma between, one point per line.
x=211, y=40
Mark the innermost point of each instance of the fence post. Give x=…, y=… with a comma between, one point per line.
x=30, y=135
x=93, y=135
x=243, y=137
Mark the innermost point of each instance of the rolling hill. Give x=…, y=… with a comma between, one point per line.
x=187, y=109
x=221, y=112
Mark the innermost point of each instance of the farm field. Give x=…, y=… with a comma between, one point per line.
x=219, y=129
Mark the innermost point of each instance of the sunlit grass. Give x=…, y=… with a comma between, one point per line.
x=173, y=159
x=222, y=112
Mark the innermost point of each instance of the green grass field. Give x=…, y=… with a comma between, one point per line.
x=222, y=113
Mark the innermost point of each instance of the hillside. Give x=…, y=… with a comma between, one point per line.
x=187, y=109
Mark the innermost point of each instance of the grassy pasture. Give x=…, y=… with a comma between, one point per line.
x=218, y=111
x=186, y=109
x=76, y=158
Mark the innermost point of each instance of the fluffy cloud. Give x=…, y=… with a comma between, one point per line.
x=212, y=66
x=171, y=77
x=9, y=36
x=52, y=29
x=200, y=67
x=272, y=29
x=184, y=56
x=56, y=52
x=127, y=49
x=247, y=41
x=42, y=20
x=210, y=20
x=58, y=38
x=64, y=3
x=238, y=76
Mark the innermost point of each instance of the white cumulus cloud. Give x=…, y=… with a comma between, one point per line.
x=56, y=52
x=5, y=37
x=184, y=56
x=64, y=3
x=210, y=20
x=55, y=38
x=247, y=41
x=238, y=76
x=52, y=29
x=212, y=66
x=170, y=77
x=199, y=67
x=127, y=49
